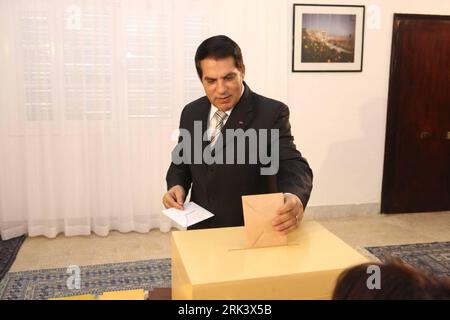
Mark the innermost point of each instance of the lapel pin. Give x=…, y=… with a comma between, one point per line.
x=241, y=122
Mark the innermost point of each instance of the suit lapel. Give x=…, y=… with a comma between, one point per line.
x=203, y=117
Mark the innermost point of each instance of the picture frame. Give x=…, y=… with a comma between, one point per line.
x=328, y=38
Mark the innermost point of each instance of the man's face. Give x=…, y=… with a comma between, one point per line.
x=222, y=81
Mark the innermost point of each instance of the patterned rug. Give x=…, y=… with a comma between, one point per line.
x=8, y=253
x=96, y=279
x=431, y=257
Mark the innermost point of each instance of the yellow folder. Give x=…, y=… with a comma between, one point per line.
x=137, y=294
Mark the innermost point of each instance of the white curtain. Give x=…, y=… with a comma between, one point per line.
x=91, y=95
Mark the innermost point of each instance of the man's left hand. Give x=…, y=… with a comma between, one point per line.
x=289, y=215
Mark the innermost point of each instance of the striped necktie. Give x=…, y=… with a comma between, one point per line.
x=219, y=118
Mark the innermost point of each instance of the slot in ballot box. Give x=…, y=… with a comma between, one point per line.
x=214, y=264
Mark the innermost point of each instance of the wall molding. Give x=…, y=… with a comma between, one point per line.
x=346, y=210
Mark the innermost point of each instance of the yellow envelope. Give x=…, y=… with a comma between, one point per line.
x=138, y=294
x=259, y=210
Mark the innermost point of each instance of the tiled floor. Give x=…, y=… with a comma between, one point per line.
x=359, y=232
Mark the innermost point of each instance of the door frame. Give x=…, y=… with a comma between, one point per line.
x=392, y=109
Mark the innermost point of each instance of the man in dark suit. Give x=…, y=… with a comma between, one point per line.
x=230, y=105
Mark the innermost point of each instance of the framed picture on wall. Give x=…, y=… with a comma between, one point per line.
x=327, y=38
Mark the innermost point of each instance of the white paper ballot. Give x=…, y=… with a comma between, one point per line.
x=191, y=214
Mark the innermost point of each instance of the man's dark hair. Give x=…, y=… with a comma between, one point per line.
x=399, y=281
x=218, y=47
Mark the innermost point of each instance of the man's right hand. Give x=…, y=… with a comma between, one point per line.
x=174, y=198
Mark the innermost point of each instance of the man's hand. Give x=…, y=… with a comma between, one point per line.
x=174, y=198
x=289, y=215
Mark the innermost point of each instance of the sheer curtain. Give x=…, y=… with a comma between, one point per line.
x=91, y=96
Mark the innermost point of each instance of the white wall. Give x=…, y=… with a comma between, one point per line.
x=258, y=26
x=339, y=119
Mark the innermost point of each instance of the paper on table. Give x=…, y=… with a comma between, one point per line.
x=191, y=214
x=259, y=210
x=138, y=294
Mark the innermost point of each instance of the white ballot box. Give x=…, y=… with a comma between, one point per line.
x=214, y=264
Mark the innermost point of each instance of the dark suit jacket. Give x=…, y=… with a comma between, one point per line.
x=219, y=187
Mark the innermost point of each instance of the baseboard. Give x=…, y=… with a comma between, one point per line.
x=346, y=210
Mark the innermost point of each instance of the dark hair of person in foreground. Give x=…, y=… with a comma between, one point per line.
x=398, y=281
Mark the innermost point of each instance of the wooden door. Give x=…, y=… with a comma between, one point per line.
x=416, y=174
